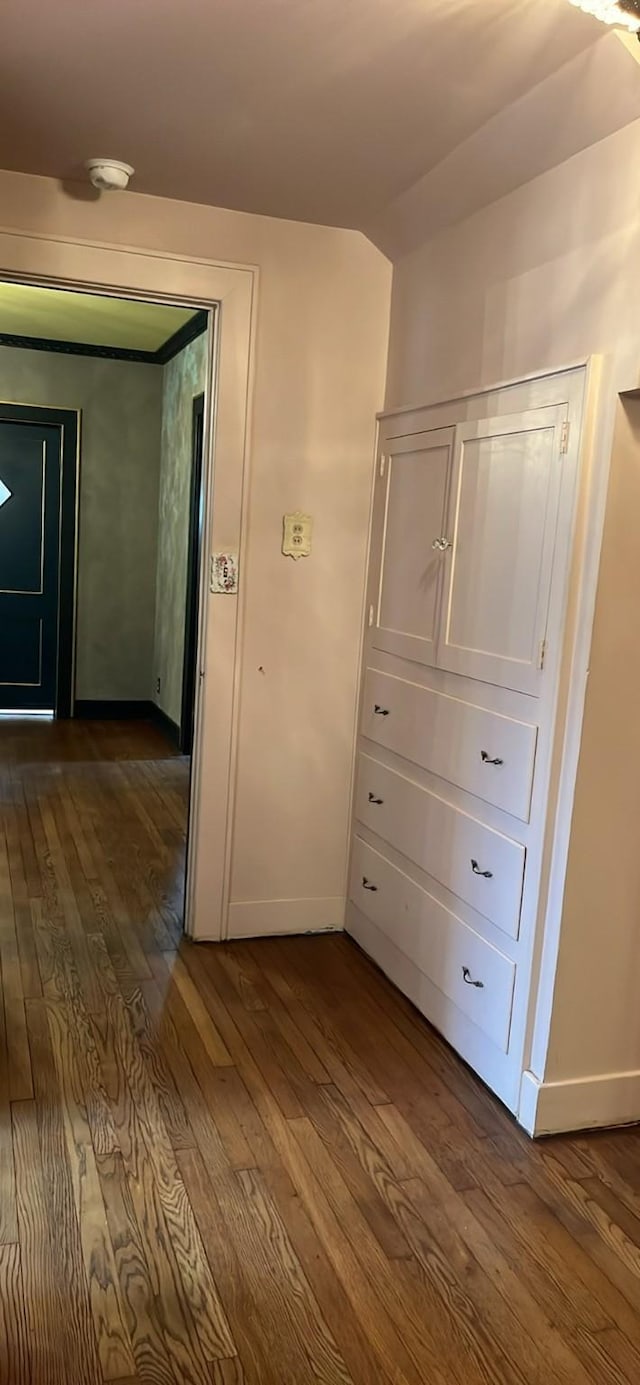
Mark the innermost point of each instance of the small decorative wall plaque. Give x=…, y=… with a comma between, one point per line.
x=296, y=535
x=224, y=573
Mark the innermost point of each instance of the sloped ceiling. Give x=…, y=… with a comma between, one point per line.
x=318, y=110
x=590, y=97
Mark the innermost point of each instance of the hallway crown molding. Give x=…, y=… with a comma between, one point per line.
x=171, y=347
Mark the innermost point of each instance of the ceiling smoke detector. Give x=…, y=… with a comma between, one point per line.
x=109, y=175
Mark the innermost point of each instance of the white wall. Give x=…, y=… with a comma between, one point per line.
x=596, y=1018
x=544, y=277
x=536, y=280
x=322, y=329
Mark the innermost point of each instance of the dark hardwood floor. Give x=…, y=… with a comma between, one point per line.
x=256, y=1163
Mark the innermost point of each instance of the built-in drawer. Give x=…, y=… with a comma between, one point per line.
x=476, y=977
x=478, y=864
x=484, y=752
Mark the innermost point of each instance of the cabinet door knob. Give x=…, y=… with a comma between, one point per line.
x=441, y=545
x=380, y=711
x=469, y=981
x=367, y=884
x=488, y=759
x=373, y=799
x=487, y=874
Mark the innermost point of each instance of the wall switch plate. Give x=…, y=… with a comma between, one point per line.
x=296, y=535
x=223, y=578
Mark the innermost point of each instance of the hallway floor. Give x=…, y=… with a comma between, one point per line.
x=256, y=1163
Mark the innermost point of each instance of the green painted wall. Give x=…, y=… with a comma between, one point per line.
x=183, y=378
x=121, y=407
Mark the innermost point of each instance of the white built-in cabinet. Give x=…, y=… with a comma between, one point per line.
x=471, y=550
x=464, y=542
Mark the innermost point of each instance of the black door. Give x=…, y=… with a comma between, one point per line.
x=30, y=493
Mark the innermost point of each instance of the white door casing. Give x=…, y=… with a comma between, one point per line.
x=116, y=270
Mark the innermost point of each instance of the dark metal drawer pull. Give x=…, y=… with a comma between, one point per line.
x=488, y=759
x=367, y=884
x=487, y=874
x=381, y=711
x=469, y=981
x=373, y=799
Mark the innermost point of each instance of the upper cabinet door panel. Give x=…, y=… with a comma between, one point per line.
x=408, y=519
x=501, y=525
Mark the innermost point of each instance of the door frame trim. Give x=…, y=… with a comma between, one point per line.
x=68, y=423
x=160, y=276
x=194, y=547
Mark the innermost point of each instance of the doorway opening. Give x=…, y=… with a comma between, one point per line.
x=103, y=409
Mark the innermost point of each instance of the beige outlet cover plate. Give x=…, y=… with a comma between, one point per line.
x=296, y=535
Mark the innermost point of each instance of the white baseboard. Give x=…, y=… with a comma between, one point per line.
x=582, y=1103
x=264, y=918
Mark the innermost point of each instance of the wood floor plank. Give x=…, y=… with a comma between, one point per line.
x=24, y=866
x=317, y=1005
x=216, y=1086
x=277, y=969
x=228, y=1372
x=280, y=1330
x=594, y=1342
x=145, y=1012
x=209, y=1037
x=362, y=1167
x=8, y=1213
x=175, y=1053
x=133, y=861
x=73, y=927
x=61, y=983
x=577, y=1265
x=45, y=1304
x=459, y=1342
x=339, y=1249
x=15, y=1355
x=29, y=965
x=277, y=1282
x=374, y=1291
x=247, y=1327
x=19, y=1055
x=515, y=1322
x=100, y=878
x=114, y=1347
x=281, y=1073
x=145, y=1331
x=194, y=1317
x=81, y=1346
x=338, y=1309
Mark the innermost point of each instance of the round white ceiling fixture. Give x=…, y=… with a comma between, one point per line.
x=109, y=175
